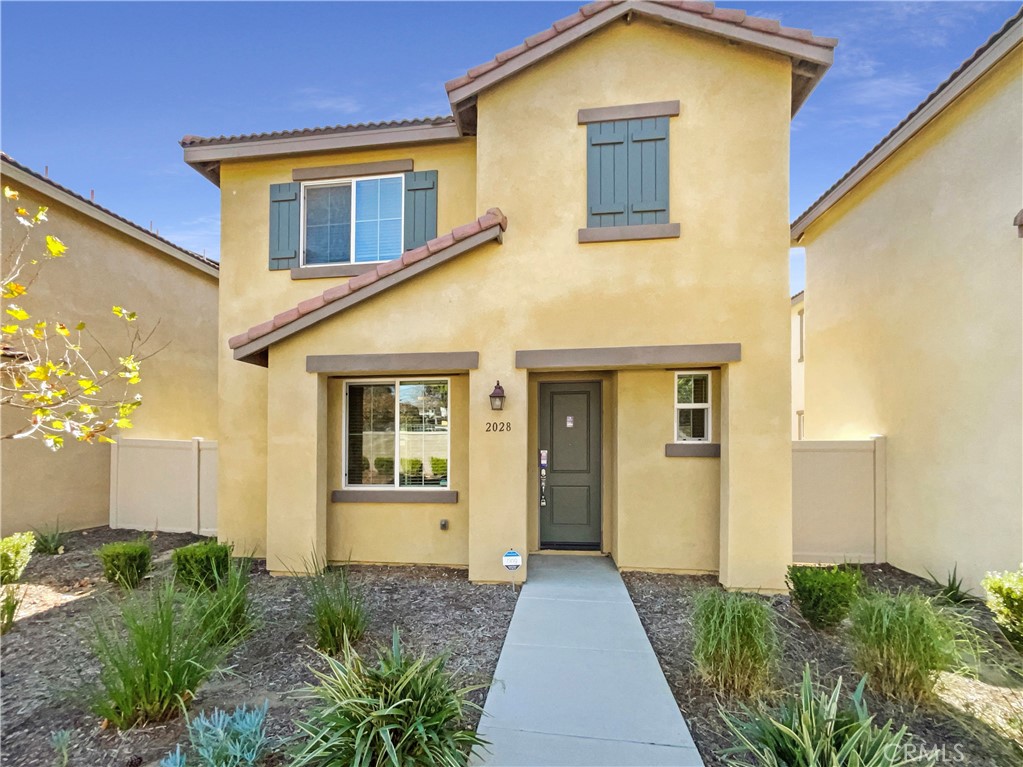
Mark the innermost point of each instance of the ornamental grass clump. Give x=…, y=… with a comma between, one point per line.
x=403, y=711
x=126, y=563
x=51, y=540
x=735, y=643
x=816, y=730
x=1005, y=600
x=338, y=612
x=201, y=565
x=11, y=597
x=224, y=612
x=154, y=653
x=15, y=553
x=902, y=641
x=823, y=594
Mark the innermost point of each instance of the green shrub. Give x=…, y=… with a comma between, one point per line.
x=15, y=553
x=339, y=615
x=51, y=540
x=412, y=466
x=201, y=565
x=10, y=601
x=439, y=467
x=823, y=594
x=402, y=712
x=126, y=563
x=815, y=729
x=735, y=647
x=224, y=610
x=153, y=654
x=901, y=641
x=384, y=464
x=1005, y=600
x=225, y=740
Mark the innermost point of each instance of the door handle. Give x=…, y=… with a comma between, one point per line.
x=543, y=477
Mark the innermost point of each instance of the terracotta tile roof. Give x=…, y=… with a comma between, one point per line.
x=435, y=249
x=24, y=168
x=948, y=81
x=696, y=7
x=190, y=141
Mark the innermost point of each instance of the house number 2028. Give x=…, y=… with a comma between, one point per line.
x=498, y=426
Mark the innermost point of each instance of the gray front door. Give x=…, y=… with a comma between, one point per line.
x=569, y=431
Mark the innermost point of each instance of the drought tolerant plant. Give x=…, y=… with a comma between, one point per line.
x=735, y=644
x=1005, y=600
x=952, y=590
x=201, y=565
x=153, y=654
x=339, y=614
x=823, y=594
x=225, y=740
x=816, y=730
x=403, y=712
x=60, y=742
x=15, y=553
x=224, y=610
x=10, y=601
x=51, y=540
x=126, y=563
x=902, y=641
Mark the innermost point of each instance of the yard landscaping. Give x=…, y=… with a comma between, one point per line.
x=48, y=666
x=973, y=718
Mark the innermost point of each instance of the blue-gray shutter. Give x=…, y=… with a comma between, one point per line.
x=285, y=225
x=648, y=171
x=627, y=172
x=420, y=207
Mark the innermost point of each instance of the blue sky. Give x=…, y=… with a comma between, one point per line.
x=102, y=92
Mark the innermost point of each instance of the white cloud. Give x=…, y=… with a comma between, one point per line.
x=197, y=234
x=323, y=100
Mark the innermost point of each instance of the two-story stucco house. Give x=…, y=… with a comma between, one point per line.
x=557, y=319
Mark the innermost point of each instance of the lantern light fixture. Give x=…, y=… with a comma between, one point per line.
x=497, y=397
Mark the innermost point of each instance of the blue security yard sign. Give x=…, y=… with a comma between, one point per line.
x=512, y=559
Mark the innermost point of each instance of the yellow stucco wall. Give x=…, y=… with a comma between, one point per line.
x=914, y=330
x=104, y=268
x=724, y=280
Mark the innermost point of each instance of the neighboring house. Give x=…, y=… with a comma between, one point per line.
x=798, y=359
x=913, y=316
x=110, y=261
x=601, y=227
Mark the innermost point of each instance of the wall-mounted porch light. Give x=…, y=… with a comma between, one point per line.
x=497, y=397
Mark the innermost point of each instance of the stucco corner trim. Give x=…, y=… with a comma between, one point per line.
x=333, y=270
x=394, y=496
x=635, y=232
x=692, y=450
x=625, y=357
x=630, y=112
x=372, y=364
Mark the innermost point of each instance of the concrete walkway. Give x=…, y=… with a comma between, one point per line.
x=577, y=682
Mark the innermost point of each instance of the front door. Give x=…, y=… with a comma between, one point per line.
x=569, y=432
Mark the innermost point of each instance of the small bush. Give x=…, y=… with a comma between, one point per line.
x=153, y=654
x=201, y=565
x=1005, y=600
x=126, y=563
x=9, y=604
x=412, y=466
x=901, y=641
x=15, y=553
x=51, y=540
x=823, y=594
x=736, y=647
x=339, y=615
x=401, y=712
x=439, y=467
x=225, y=740
x=384, y=464
x=224, y=612
x=815, y=728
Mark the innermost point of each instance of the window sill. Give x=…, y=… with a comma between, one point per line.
x=331, y=270
x=636, y=232
x=394, y=496
x=692, y=450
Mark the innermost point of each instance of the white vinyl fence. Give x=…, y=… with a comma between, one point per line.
x=167, y=485
x=839, y=511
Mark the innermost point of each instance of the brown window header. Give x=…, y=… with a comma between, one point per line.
x=629, y=112
x=349, y=171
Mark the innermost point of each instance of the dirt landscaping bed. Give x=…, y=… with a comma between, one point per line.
x=974, y=721
x=47, y=665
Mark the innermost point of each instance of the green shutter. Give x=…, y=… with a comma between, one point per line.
x=627, y=172
x=285, y=225
x=420, y=207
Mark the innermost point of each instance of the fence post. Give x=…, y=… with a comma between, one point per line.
x=196, y=448
x=880, y=497
x=113, y=484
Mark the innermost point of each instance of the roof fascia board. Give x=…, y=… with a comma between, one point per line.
x=952, y=91
x=30, y=181
x=252, y=351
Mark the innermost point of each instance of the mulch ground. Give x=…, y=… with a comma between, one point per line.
x=973, y=721
x=47, y=666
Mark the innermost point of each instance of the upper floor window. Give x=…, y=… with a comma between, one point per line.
x=353, y=221
x=692, y=407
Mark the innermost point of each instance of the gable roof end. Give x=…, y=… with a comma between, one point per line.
x=811, y=55
x=983, y=59
x=251, y=346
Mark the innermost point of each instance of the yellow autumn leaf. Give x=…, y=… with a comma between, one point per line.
x=117, y=310
x=122, y=423
x=55, y=424
x=80, y=326
x=55, y=246
x=54, y=442
x=13, y=289
x=21, y=211
x=62, y=329
x=106, y=440
x=9, y=328
x=10, y=194
x=84, y=407
x=17, y=312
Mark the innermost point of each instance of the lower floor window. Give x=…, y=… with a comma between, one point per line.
x=397, y=433
x=692, y=407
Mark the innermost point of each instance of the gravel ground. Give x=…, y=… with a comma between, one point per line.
x=47, y=665
x=973, y=721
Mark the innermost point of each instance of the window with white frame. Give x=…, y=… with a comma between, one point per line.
x=397, y=433
x=692, y=407
x=352, y=221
